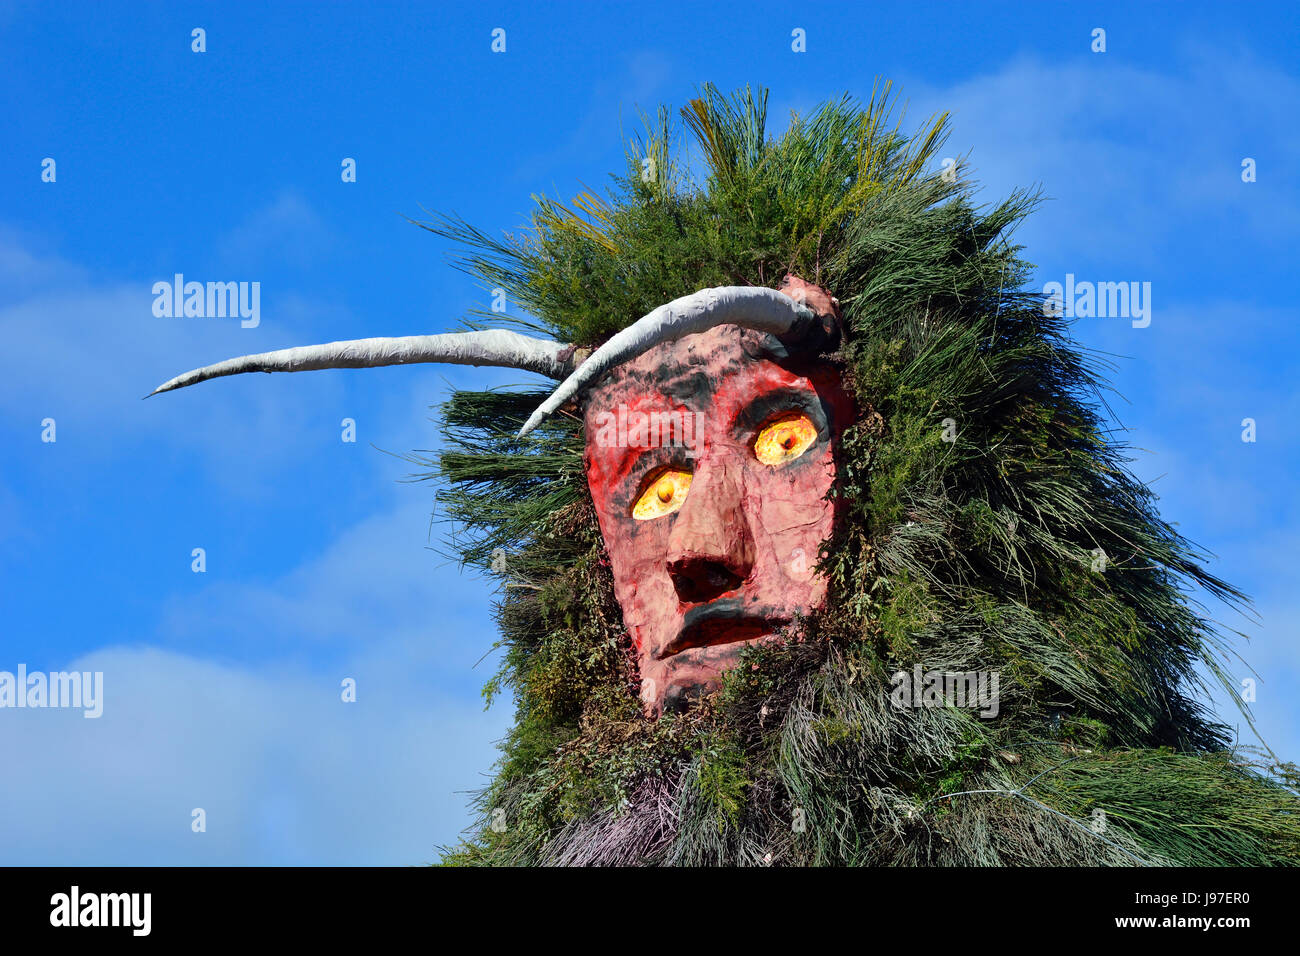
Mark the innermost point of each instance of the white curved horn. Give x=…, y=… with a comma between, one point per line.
x=752, y=307
x=490, y=347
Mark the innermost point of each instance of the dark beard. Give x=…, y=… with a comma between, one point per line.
x=830, y=799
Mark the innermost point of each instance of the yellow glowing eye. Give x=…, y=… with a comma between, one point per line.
x=785, y=440
x=662, y=494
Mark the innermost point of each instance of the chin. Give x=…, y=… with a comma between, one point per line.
x=692, y=673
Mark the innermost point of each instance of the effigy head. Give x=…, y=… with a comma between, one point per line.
x=711, y=427
x=710, y=460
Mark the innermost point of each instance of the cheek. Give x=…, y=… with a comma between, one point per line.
x=636, y=553
x=794, y=517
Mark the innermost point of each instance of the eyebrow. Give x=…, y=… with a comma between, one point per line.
x=785, y=398
x=630, y=463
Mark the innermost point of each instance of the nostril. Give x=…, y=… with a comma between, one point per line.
x=702, y=579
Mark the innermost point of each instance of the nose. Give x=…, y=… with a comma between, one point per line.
x=711, y=546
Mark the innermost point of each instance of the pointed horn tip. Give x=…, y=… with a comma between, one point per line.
x=164, y=387
x=538, y=416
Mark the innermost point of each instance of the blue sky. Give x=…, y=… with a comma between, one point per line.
x=222, y=688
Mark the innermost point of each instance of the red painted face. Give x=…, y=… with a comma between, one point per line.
x=709, y=460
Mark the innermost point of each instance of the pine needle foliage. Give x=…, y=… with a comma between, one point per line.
x=979, y=553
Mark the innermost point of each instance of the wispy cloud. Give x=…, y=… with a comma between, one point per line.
x=85, y=352
x=286, y=231
x=1129, y=155
x=285, y=771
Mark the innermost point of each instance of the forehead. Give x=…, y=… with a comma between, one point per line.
x=696, y=370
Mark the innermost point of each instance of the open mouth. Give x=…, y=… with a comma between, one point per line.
x=724, y=621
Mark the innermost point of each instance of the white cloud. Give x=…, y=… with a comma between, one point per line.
x=85, y=353
x=286, y=772
x=376, y=592
x=1128, y=155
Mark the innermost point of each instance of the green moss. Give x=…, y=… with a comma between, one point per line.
x=908, y=610
x=723, y=780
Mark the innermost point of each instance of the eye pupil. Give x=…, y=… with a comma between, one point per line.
x=785, y=440
x=662, y=494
